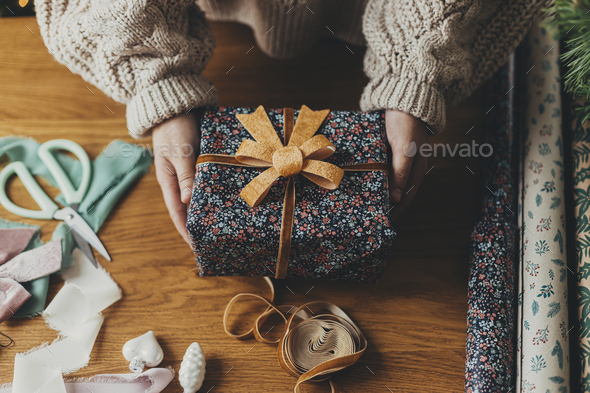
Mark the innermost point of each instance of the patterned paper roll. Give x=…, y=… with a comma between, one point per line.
x=544, y=348
x=581, y=174
x=491, y=315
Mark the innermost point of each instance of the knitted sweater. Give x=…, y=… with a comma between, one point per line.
x=422, y=55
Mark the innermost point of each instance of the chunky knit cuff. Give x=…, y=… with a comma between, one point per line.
x=167, y=98
x=419, y=99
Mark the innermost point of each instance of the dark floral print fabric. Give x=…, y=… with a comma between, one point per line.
x=491, y=316
x=341, y=234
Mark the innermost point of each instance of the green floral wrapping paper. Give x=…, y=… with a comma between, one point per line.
x=581, y=183
x=543, y=348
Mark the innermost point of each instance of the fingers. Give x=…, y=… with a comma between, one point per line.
x=185, y=175
x=419, y=169
x=405, y=134
x=179, y=140
x=401, y=133
x=401, y=164
x=184, y=161
x=175, y=142
x=169, y=185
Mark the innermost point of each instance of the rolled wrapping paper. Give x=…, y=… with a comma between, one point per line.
x=491, y=315
x=581, y=183
x=544, y=342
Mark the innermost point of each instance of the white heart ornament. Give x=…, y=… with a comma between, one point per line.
x=143, y=351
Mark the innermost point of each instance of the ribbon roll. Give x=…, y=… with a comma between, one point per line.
x=312, y=347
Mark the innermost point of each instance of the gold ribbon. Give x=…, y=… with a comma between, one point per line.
x=313, y=346
x=302, y=153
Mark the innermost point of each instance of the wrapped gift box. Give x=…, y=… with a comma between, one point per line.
x=342, y=233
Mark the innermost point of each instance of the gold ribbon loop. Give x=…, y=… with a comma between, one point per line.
x=302, y=150
x=312, y=347
x=306, y=125
x=256, y=190
x=259, y=126
x=317, y=148
x=254, y=154
x=322, y=173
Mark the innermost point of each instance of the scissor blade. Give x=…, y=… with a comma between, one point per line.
x=85, y=248
x=83, y=244
x=77, y=223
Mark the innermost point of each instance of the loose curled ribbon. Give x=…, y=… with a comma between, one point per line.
x=313, y=347
x=302, y=154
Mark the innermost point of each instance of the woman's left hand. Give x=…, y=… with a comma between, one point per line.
x=405, y=134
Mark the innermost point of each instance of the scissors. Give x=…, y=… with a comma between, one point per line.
x=82, y=232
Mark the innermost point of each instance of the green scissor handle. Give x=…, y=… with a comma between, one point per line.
x=48, y=207
x=71, y=195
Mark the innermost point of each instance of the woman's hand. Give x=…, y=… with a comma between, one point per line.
x=176, y=144
x=408, y=165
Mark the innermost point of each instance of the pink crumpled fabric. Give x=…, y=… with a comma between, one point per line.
x=17, y=266
x=12, y=297
x=13, y=241
x=154, y=380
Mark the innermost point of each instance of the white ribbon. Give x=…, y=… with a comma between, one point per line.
x=75, y=314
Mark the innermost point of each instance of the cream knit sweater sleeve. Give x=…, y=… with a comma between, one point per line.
x=148, y=54
x=422, y=55
x=426, y=55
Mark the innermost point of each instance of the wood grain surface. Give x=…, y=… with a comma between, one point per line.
x=414, y=318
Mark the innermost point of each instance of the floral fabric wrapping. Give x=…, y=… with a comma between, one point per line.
x=543, y=349
x=581, y=183
x=491, y=315
x=342, y=234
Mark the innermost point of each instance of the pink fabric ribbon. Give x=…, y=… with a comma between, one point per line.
x=153, y=380
x=17, y=266
x=35, y=263
x=12, y=297
x=13, y=241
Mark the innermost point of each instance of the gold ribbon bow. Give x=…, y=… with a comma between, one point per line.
x=302, y=153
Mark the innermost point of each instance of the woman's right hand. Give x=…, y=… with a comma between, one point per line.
x=176, y=146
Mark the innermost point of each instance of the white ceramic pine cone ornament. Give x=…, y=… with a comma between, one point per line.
x=192, y=369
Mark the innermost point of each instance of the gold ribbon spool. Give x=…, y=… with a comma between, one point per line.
x=312, y=348
x=302, y=154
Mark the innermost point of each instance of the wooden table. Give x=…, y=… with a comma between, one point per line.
x=414, y=318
